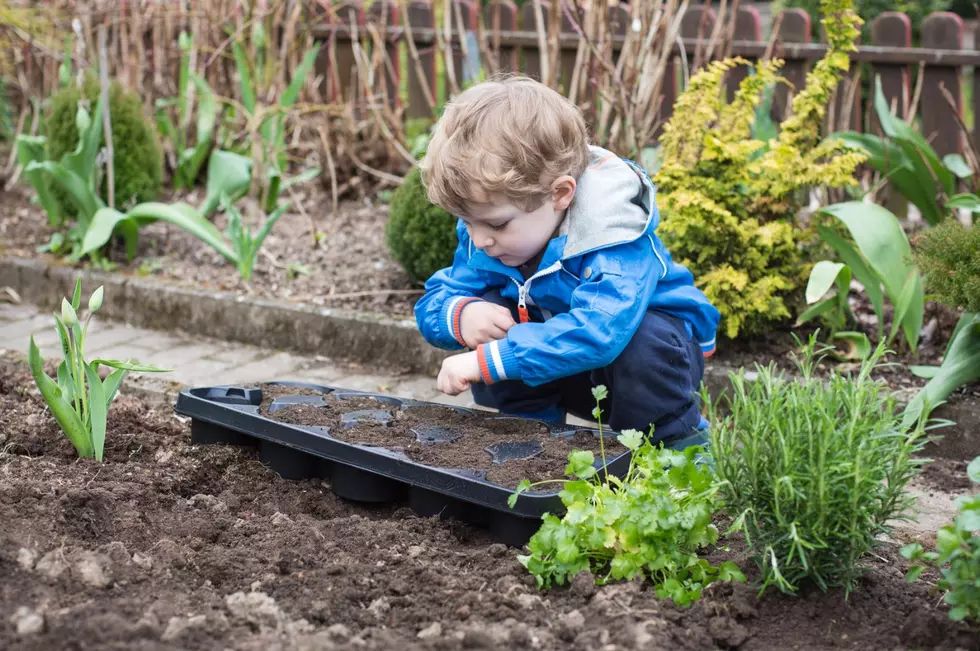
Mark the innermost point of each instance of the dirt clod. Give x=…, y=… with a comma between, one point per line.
x=93, y=570
x=52, y=565
x=26, y=558
x=434, y=630
x=27, y=621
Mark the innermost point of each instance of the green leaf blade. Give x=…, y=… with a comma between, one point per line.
x=97, y=411
x=62, y=411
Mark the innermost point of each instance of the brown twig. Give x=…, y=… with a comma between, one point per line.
x=965, y=138
x=106, y=119
x=331, y=169
x=416, y=60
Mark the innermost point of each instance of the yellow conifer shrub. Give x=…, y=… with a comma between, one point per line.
x=729, y=202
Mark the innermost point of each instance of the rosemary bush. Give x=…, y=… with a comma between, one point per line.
x=812, y=470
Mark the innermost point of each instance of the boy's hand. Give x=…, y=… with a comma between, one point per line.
x=458, y=372
x=482, y=322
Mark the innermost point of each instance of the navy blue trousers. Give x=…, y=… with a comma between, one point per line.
x=654, y=381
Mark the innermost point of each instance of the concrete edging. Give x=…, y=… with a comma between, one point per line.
x=351, y=336
x=301, y=328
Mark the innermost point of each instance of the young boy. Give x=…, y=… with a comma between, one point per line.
x=559, y=282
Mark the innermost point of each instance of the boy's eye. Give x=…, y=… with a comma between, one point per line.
x=498, y=227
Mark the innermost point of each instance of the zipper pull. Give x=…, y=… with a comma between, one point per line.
x=522, y=304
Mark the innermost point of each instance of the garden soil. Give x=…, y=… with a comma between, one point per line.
x=173, y=546
x=472, y=438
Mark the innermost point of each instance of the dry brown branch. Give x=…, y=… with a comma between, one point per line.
x=965, y=137
x=416, y=60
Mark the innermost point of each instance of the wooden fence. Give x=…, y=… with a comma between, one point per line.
x=913, y=78
x=908, y=74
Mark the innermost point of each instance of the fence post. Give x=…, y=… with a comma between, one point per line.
x=420, y=16
x=748, y=27
x=794, y=27
x=893, y=29
x=505, y=12
x=942, y=31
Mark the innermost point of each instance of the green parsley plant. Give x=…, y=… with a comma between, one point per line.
x=650, y=523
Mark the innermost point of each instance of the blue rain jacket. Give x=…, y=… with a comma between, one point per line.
x=595, y=282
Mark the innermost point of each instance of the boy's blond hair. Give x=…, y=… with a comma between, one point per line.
x=509, y=136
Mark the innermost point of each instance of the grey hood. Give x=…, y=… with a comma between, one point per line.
x=612, y=205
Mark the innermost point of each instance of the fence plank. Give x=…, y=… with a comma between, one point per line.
x=941, y=30
x=384, y=13
x=501, y=15
x=420, y=16
x=894, y=29
x=794, y=27
x=748, y=27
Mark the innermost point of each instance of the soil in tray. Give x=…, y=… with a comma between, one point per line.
x=444, y=437
x=167, y=545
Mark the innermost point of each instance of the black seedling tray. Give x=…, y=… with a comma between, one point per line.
x=364, y=473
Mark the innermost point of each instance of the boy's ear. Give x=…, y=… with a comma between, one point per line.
x=563, y=191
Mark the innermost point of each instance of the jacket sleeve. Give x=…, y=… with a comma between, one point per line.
x=605, y=311
x=447, y=292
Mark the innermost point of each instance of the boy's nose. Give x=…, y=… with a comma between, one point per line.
x=483, y=241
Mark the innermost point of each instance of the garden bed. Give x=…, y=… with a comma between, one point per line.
x=350, y=268
x=169, y=545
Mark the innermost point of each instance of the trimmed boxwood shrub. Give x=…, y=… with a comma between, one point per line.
x=138, y=158
x=420, y=235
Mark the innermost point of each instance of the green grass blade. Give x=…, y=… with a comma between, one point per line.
x=245, y=78
x=82, y=160
x=65, y=382
x=30, y=149
x=299, y=77
x=228, y=173
x=822, y=278
x=859, y=268
x=881, y=241
x=61, y=409
x=96, y=410
x=266, y=228
x=83, y=197
x=111, y=384
x=956, y=164
x=131, y=366
x=967, y=200
x=76, y=297
x=960, y=366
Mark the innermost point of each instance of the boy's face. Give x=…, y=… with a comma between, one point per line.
x=514, y=236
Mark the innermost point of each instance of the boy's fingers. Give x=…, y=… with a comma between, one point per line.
x=497, y=332
x=505, y=321
x=505, y=312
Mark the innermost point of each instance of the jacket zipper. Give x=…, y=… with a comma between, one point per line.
x=524, y=289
